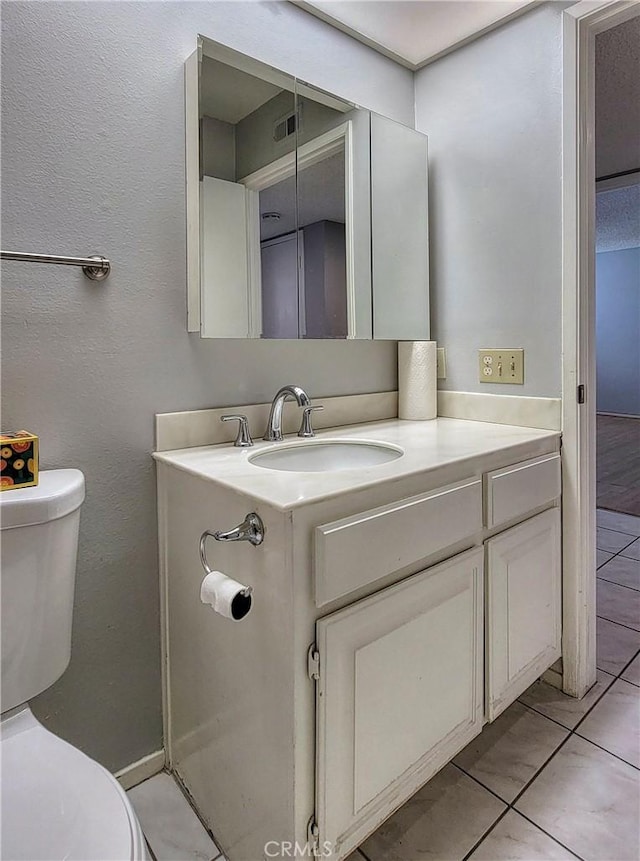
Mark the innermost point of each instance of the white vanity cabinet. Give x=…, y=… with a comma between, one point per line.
x=399, y=692
x=523, y=578
x=523, y=607
x=389, y=623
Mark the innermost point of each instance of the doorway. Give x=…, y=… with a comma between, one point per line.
x=617, y=344
x=583, y=22
x=617, y=275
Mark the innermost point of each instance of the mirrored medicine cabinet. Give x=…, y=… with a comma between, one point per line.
x=306, y=215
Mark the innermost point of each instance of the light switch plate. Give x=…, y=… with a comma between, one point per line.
x=441, y=363
x=501, y=366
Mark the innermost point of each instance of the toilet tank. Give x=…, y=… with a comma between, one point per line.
x=38, y=548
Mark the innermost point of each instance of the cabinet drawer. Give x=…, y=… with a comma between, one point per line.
x=514, y=490
x=358, y=550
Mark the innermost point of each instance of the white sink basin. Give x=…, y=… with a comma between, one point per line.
x=326, y=456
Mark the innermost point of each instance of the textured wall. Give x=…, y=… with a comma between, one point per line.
x=493, y=113
x=93, y=161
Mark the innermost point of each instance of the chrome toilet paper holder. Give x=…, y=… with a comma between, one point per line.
x=251, y=529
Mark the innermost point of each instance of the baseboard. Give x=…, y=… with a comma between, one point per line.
x=519, y=410
x=619, y=415
x=141, y=770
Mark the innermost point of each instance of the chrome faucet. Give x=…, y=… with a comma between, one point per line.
x=274, y=425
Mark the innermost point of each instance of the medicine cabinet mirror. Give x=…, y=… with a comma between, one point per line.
x=306, y=215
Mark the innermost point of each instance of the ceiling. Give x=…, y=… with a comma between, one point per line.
x=415, y=32
x=320, y=190
x=229, y=94
x=618, y=218
x=618, y=99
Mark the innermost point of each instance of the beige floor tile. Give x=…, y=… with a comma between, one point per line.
x=621, y=570
x=442, y=822
x=568, y=711
x=632, y=673
x=589, y=801
x=615, y=646
x=618, y=604
x=509, y=751
x=618, y=521
x=611, y=541
x=171, y=827
x=633, y=550
x=614, y=722
x=601, y=557
x=515, y=839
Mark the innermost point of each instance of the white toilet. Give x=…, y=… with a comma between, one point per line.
x=57, y=803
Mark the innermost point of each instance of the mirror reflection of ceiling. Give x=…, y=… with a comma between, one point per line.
x=229, y=94
x=415, y=32
x=320, y=198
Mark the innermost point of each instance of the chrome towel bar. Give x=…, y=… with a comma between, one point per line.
x=95, y=267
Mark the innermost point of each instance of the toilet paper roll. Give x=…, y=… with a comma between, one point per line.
x=227, y=597
x=417, y=380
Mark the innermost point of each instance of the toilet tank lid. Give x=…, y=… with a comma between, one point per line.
x=59, y=492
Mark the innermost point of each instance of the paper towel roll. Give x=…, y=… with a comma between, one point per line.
x=417, y=380
x=227, y=597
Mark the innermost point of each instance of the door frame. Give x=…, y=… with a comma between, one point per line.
x=325, y=145
x=581, y=23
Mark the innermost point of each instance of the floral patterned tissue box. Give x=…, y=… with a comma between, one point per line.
x=18, y=460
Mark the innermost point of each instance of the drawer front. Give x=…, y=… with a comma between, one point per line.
x=358, y=550
x=513, y=491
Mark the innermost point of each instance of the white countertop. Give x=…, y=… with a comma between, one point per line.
x=427, y=445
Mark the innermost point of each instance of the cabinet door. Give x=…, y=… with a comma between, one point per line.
x=524, y=579
x=399, y=231
x=399, y=693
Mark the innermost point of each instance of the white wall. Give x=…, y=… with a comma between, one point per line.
x=618, y=331
x=492, y=110
x=255, y=145
x=93, y=161
x=218, y=149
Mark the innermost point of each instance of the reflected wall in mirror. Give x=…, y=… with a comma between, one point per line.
x=282, y=239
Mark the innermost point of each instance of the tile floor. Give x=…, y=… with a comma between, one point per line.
x=551, y=778
x=172, y=829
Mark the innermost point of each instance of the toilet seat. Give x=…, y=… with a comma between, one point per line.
x=57, y=803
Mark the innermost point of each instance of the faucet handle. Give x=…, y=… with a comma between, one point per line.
x=243, y=439
x=306, y=430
